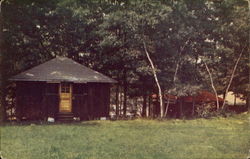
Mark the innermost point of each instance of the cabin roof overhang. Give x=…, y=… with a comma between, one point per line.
x=62, y=69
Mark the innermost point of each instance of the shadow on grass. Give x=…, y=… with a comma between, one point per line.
x=41, y=123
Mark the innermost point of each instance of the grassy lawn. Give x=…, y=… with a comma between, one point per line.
x=218, y=138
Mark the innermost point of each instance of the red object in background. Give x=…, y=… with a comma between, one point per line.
x=202, y=96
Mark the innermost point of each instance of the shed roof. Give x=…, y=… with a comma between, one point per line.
x=62, y=69
x=202, y=96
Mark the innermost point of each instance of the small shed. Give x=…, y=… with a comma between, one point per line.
x=62, y=89
x=184, y=105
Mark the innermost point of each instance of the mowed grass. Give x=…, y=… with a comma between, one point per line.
x=218, y=138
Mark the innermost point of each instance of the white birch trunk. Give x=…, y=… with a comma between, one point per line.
x=175, y=73
x=156, y=79
x=212, y=84
x=231, y=78
x=166, y=111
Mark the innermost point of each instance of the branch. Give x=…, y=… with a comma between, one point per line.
x=178, y=63
x=168, y=102
x=176, y=71
x=232, y=76
x=1, y=1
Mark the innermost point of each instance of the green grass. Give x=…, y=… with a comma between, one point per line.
x=218, y=138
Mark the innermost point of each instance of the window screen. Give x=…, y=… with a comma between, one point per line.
x=65, y=88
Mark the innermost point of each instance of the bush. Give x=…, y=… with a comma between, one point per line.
x=206, y=110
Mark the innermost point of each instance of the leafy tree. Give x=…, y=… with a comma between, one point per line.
x=230, y=42
x=182, y=38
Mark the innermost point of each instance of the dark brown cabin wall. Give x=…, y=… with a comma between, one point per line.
x=30, y=100
x=106, y=100
x=79, y=101
x=96, y=95
x=51, y=100
x=35, y=101
x=98, y=100
x=90, y=101
x=98, y=105
x=51, y=105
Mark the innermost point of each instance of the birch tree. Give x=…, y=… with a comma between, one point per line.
x=156, y=79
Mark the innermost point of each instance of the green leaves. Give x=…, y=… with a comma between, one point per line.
x=107, y=36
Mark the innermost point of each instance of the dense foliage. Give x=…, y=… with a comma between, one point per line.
x=107, y=35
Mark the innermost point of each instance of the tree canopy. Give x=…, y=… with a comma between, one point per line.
x=108, y=35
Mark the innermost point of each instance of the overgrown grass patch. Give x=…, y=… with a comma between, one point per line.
x=218, y=138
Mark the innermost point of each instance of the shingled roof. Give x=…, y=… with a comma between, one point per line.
x=62, y=69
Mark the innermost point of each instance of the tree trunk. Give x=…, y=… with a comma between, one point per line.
x=229, y=83
x=166, y=111
x=125, y=89
x=181, y=107
x=150, y=109
x=212, y=85
x=231, y=78
x=248, y=102
x=193, y=105
x=120, y=101
x=125, y=101
x=224, y=95
x=234, y=99
x=144, y=105
x=135, y=105
x=2, y=78
x=248, y=93
x=178, y=65
x=156, y=79
x=117, y=100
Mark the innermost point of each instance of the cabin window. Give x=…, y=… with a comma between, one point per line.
x=65, y=88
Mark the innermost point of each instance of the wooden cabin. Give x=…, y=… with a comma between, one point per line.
x=62, y=89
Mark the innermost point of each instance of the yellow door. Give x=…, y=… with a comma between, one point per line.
x=65, y=90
